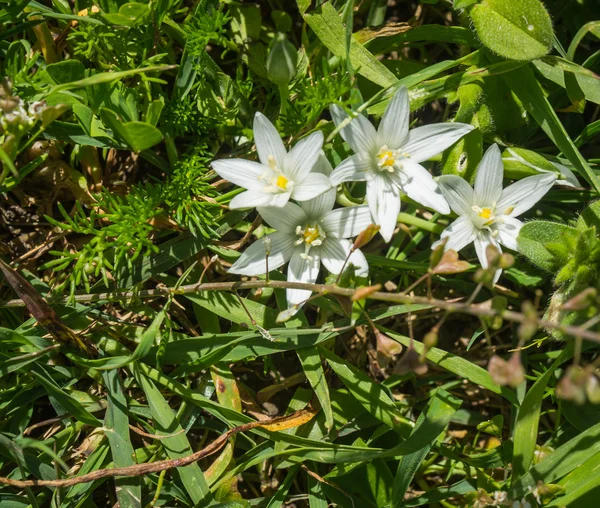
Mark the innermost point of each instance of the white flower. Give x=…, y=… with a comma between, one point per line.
x=307, y=234
x=568, y=178
x=487, y=213
x=389, y=159
x=280, y=175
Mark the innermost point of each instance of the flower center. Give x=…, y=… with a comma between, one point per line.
x=485, y=213
x=390, y=160
x=484, y=216
x=281, y=182
x=311, y=236
x=274, y=179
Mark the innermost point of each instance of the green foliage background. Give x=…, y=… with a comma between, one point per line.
x=110, y=190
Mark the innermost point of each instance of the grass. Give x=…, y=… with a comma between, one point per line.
x=135, y=371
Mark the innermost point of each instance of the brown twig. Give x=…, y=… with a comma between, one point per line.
x=478, y=311
x=279, y=423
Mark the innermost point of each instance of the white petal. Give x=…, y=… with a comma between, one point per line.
x=334, y=253
x=418, y=184
x=482, y=240
x=347, y=222
x=508, y=230
x=301, y=270
x=322, y=165
x=311, y=187
x=525, y=193
x=302, y=158
x=268, y=141
x=253, y=260
x=570, y=180
x=359, y=133
x=317, y=207
x=284, y=219
x=253, y=198
x=488, y=182
x=393, y=128
x=457, y=192
x=383, y=198
x=358, y=259
x=353, y=169
x=241, y=172
x=425, y=142
x=460, y=233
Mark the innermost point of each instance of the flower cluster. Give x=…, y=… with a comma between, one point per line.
x=310, y=232
x=15, y=114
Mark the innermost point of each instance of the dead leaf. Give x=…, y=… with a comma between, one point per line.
x=41, y=311
x=449, y=264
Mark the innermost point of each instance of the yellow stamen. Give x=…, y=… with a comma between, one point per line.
x=311, y=234
x=486, y=213
x=281, y=182
x=387, y=158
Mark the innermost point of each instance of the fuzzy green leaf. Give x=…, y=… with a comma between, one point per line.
x=536, y=237
x=515, y=30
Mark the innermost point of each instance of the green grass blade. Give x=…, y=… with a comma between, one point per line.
x=561, y=462
x=327, y=24
x=177, y=445
x=528, y=419
x=116, y=425
x=70, y=404
x=312, y=367
x=524, y=85
x=463, y=368
x=368, y=393
x=437, y=408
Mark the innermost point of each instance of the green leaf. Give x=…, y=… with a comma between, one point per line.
x=130, y=14
x=590, y=217
x=327, y=24
x=116, y=425
x=281, y=495
x=460, y=366
x=373, y=398
x=138, y=135
x=66, y=71
x=177, y=444
x=515, y=30
x=534, y=238
x=581, y=486
x=528, y=418
x=561, y=461
x=557, y=70
x=438, y=408
x=143, y=348
x=312, y=367
x=524, y=85
x=381, y=42
x=71, y=405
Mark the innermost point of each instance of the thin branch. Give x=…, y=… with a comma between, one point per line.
x=323, y=289
x=290, y=421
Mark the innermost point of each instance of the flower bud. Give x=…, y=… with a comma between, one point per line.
x=509, y=372
x=364, y=292
x=430, y=340
x=365, y=236
x=281, y=62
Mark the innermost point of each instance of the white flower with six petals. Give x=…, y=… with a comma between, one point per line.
x=389, y=158
x=280, y=175
x=487, y=213
x=307, y=235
